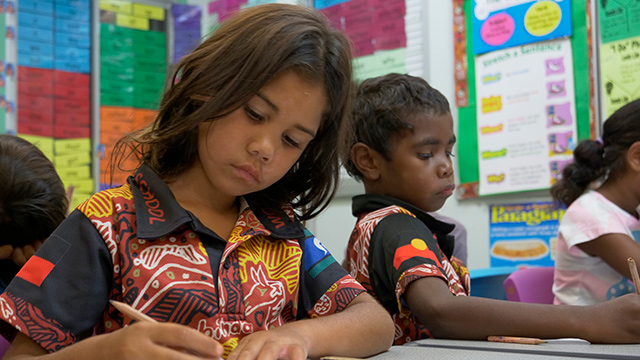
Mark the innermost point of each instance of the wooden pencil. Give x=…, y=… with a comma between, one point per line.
x=634, y=274
x=131, y=312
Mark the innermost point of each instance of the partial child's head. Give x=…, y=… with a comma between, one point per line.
x=601, y=159
x=230, y=67
x=33, y=201
x=403, y=140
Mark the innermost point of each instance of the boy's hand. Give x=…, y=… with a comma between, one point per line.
x=19, y=255
x=616, y=321
x=278, y=343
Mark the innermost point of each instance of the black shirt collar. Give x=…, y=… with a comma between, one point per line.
x=159, y=214
x=371, y=202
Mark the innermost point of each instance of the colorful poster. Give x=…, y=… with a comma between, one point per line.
x=526, y=117
x=618, y=19
x=502, y=24
x=523, y=234
x=619, y=73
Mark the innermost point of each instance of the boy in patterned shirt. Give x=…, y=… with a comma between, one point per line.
x=402, y=152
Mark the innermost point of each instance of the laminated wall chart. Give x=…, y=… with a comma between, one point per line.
x=53, y=82
x=619, y=53
x=377, y=30
x=133, y=65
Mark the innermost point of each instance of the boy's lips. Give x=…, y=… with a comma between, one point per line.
x=248, y=172
x=448, y=190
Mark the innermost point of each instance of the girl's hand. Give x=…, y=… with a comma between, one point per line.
x=157, y=341
x=141, y=340
x=279, y=343
x=19, y=255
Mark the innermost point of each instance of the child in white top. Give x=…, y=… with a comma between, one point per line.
x=600, y=229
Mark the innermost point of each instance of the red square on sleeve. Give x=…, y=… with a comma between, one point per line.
x=35, y=270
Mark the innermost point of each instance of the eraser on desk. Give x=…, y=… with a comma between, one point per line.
x=66, y=146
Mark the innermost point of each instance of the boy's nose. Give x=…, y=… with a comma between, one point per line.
x=446, y=169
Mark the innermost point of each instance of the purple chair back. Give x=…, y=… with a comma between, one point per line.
x=530, y=285
x=4, y=346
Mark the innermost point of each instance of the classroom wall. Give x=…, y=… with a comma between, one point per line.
x=334, y=226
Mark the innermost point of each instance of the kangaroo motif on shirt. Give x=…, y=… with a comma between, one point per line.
x=269, y=298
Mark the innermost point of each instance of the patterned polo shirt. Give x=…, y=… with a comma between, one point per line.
x=394, y=243
x=136, y=244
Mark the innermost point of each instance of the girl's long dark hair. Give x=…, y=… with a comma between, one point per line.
x=599, y=159
x=230, y=67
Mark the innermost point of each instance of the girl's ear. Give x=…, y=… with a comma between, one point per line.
x=633, y=156
x=364, y=158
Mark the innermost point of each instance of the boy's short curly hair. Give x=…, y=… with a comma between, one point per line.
x=383, y=109
x=33, y=200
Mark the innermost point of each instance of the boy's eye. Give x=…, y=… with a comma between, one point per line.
x=450, y=154
x=290, y=141
x=253, y=114
x=425, y=156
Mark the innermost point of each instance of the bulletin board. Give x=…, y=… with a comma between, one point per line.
x=525, y=98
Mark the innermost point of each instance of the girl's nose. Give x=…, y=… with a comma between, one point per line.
x=262, y=147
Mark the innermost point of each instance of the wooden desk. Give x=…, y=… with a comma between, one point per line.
x=463, y=349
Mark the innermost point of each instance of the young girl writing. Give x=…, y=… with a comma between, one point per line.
x=206, y=236
x=600, y=228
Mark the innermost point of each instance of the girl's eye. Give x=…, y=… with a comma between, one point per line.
x=290, y=141
x=450, y=154
x=253, y=115
x=425, y=156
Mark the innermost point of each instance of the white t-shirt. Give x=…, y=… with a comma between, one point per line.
x=582, y=279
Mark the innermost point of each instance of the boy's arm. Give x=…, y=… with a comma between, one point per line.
x=362, y=329
x=469, y=317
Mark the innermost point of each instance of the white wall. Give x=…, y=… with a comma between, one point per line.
x=334, y=226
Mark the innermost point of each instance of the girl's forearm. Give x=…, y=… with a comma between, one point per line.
x=362, y=329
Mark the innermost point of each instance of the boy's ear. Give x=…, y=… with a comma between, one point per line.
x=363, y=158
x=633, y=156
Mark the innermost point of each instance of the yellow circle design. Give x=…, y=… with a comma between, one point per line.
x=542, y=18
x=419, y=244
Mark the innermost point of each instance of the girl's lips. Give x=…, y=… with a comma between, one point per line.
x=249, y=173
